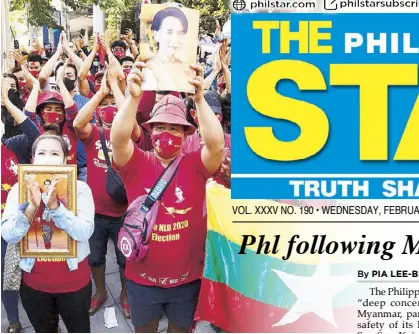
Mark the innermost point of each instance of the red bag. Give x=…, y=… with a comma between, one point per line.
x=134, y=236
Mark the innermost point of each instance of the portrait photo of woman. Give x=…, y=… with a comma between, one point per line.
x=174, y=32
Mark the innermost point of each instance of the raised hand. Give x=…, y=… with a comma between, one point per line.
x=223, y=52
x=66, y=45
x=34, y=193
x=135, y=79
x=113, y=72
x=60, y=73
x=77, y=42
x=60, y=47
x=18, y=57
x=107, y=40
x=104, y=87
x=52, y=202
x=198, y=82
x=4, y=93
x=129, y=35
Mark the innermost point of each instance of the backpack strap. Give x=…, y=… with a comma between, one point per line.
x=104, y=147
x=161, y=184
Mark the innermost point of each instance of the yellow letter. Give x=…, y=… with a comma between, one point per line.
x=373, y=81
x=408, y=146
x=266, y=27
x=312, y=121
x=316, y=36
x=286, y=36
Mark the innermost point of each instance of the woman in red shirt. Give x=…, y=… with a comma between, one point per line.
x=52, y=287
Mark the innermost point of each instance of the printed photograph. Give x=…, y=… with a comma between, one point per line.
x=169, y=36
x=44, y=238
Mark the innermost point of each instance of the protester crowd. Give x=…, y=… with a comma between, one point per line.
x=84, y=105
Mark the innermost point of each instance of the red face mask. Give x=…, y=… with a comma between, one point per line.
x=126, y=71
x=166, y=144
x=52, y=117
x=107, y=114
x=22, y=86
x=35, y=73
x=119, y=54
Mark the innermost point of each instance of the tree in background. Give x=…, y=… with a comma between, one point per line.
x=210, y=10
x=39, y=12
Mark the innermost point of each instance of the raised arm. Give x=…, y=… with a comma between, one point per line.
x=128, y=37
x=209, y=127
x=125, y=119
x=224, y=57
x=70, y=107
x=213, y=75
x=16, y=113
x=74, y=58
x=68, y=99
x=81, y=123
x=117, y=67
x=87, y=63
x=50, y=65
x=84, y=87
x=112, y=79
x=32, y=101
x=16, y=218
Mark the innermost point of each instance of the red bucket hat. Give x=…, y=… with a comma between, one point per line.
x=51, y=96
x=170, y=109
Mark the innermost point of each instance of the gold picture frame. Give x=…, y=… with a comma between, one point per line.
x=44, y=239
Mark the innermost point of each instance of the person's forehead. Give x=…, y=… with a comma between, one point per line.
x=171, y=23
x=127, y=62
x=69, y=70
x=53, y=105
x=49, y=145
x=34, y=63
x=9, y=80
x=168, y=125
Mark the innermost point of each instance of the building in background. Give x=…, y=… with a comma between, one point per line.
x=6, y=38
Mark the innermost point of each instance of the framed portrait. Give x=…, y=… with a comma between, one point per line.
x=168, y=45
x=44, y=238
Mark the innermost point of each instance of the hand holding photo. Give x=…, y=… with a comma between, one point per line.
x=46, y=188
x=171, y=38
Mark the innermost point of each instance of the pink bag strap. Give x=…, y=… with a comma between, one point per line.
x=161, y=184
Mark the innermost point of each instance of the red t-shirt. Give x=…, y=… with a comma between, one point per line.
x=96, y=170
x=71, y=140
x=24, y=97
x=176, y=253
x=9, y=173
x=52, y=275
x=145, y=142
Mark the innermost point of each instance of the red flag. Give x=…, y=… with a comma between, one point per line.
x=101, y=51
